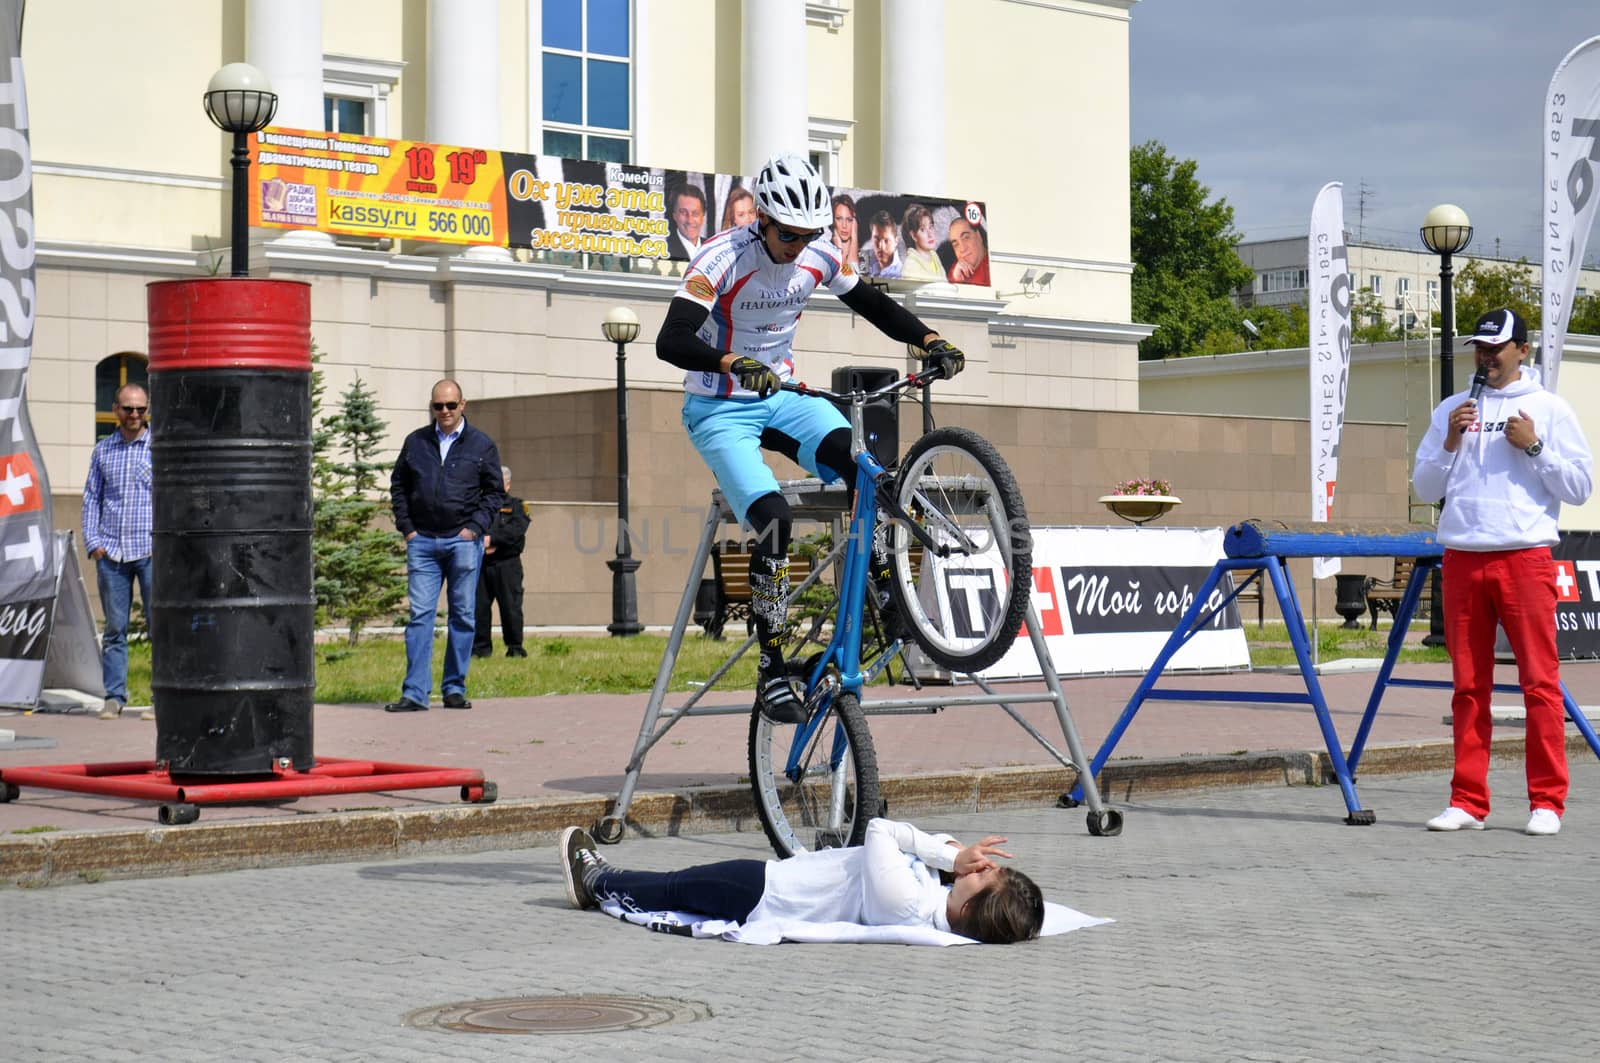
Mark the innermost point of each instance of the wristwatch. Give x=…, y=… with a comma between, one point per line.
x=1536, y=449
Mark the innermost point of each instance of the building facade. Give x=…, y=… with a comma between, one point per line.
x=1389, y=383
x=1405, y=282
x=133, y=186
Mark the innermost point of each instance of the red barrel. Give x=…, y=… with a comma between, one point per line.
x=233, y=610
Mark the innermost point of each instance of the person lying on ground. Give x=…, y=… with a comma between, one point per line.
x=899, y=876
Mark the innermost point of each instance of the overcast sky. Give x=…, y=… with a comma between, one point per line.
x=1423, y=101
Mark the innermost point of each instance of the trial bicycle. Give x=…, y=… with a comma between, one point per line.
x=960, y=553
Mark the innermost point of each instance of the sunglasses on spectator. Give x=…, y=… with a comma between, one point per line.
x=446, y=405
x=134, y=409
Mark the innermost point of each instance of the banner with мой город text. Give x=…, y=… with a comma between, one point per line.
x=1107, y=600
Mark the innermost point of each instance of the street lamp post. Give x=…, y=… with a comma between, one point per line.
x=239, y=100
x=622, y=327
x=1445, y=231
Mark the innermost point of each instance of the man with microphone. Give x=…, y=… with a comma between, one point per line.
x=1503, y=458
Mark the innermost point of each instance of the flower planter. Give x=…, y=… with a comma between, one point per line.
x=1140, y=509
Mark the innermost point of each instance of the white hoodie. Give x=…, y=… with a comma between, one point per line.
x=1496, y=497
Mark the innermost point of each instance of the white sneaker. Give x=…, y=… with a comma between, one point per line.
x=1544, y=821
x=1454, y=818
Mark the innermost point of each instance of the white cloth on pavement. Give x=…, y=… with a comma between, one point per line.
x=1058, y=919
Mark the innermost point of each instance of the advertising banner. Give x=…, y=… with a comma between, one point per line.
x=911, y=238
x=368, y=186
x=1108, y=599
x=1330, y=354
x=28, y=562
x=1571, y=159
x=1577, y=595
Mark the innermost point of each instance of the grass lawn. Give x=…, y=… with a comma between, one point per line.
x=585, y=664
x=555, y=664
x=1270, y=646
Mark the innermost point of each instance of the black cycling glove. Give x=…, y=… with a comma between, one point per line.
x=945, y=357
x=756, y=376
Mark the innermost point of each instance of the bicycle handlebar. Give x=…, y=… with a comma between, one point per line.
x=905, y=383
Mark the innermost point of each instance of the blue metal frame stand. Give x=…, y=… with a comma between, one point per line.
x=1276, y=567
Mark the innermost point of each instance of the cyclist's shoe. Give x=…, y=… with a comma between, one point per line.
x=776, y=700
x=578, y=863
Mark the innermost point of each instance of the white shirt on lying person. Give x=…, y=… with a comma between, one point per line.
x=891, y=879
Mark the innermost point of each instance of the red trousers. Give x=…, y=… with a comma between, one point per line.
x=1517, y=588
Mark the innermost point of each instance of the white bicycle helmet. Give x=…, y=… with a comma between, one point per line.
x=789, y=190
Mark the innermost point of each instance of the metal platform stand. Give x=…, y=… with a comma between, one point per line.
x=813, y=500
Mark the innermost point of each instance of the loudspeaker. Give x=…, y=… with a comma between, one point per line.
x=882, y=415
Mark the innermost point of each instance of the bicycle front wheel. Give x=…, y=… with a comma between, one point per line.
x=966, y=605
x=835, y=790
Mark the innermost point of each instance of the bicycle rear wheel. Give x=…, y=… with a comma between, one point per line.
x=966, y=606
x=837, y=790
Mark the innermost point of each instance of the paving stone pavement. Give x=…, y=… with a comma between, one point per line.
x=1252, y=925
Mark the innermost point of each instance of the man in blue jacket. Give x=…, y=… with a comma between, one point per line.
x=445, y=490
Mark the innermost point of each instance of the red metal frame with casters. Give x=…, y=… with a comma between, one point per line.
x=182, y=796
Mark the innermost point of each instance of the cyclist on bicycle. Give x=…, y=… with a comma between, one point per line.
x=731, y=326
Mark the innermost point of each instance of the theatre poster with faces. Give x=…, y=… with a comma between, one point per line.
x=371, y=186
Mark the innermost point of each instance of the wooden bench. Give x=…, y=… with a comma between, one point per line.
x=730, y=566
x=1385, y=595
x=1251, y=593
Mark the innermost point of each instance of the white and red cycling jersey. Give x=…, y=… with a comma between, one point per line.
x=755, y=302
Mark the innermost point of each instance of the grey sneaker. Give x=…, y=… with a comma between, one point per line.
x=111, y=709
x=577, y=852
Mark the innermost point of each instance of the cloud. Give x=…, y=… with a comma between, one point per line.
x=1436, y=101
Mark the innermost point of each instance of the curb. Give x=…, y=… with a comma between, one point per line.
x=90, y=856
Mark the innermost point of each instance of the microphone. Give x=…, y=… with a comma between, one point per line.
x=1479, y=379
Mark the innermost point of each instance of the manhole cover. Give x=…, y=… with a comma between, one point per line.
x=557, y=1015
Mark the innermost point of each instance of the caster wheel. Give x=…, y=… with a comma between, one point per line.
x=1067, y=801
x=1106, y=823
x=487, y=795
x=8, y=792
x=608, y=830
x=174, y=815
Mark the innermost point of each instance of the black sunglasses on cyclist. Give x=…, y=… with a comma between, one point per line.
x=787, y=237
x=446, y=406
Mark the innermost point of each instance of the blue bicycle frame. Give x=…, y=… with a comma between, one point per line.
x=844, y=648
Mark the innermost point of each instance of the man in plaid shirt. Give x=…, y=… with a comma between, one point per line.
x=116, y=530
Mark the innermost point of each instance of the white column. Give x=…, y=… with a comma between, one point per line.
x=283, y=39
x=464, y=82
x=913, y=96
x=776, y=118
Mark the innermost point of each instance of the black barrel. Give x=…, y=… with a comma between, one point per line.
x=233, y=609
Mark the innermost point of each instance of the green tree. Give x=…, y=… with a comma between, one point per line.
x=359, y=566
x=1585, y=315
x=1368, y=322
x=1185, y=266
x=1480, y=288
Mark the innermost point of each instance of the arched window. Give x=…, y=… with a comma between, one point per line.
x=125, y=367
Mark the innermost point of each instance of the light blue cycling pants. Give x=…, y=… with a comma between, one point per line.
x=727, y=433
